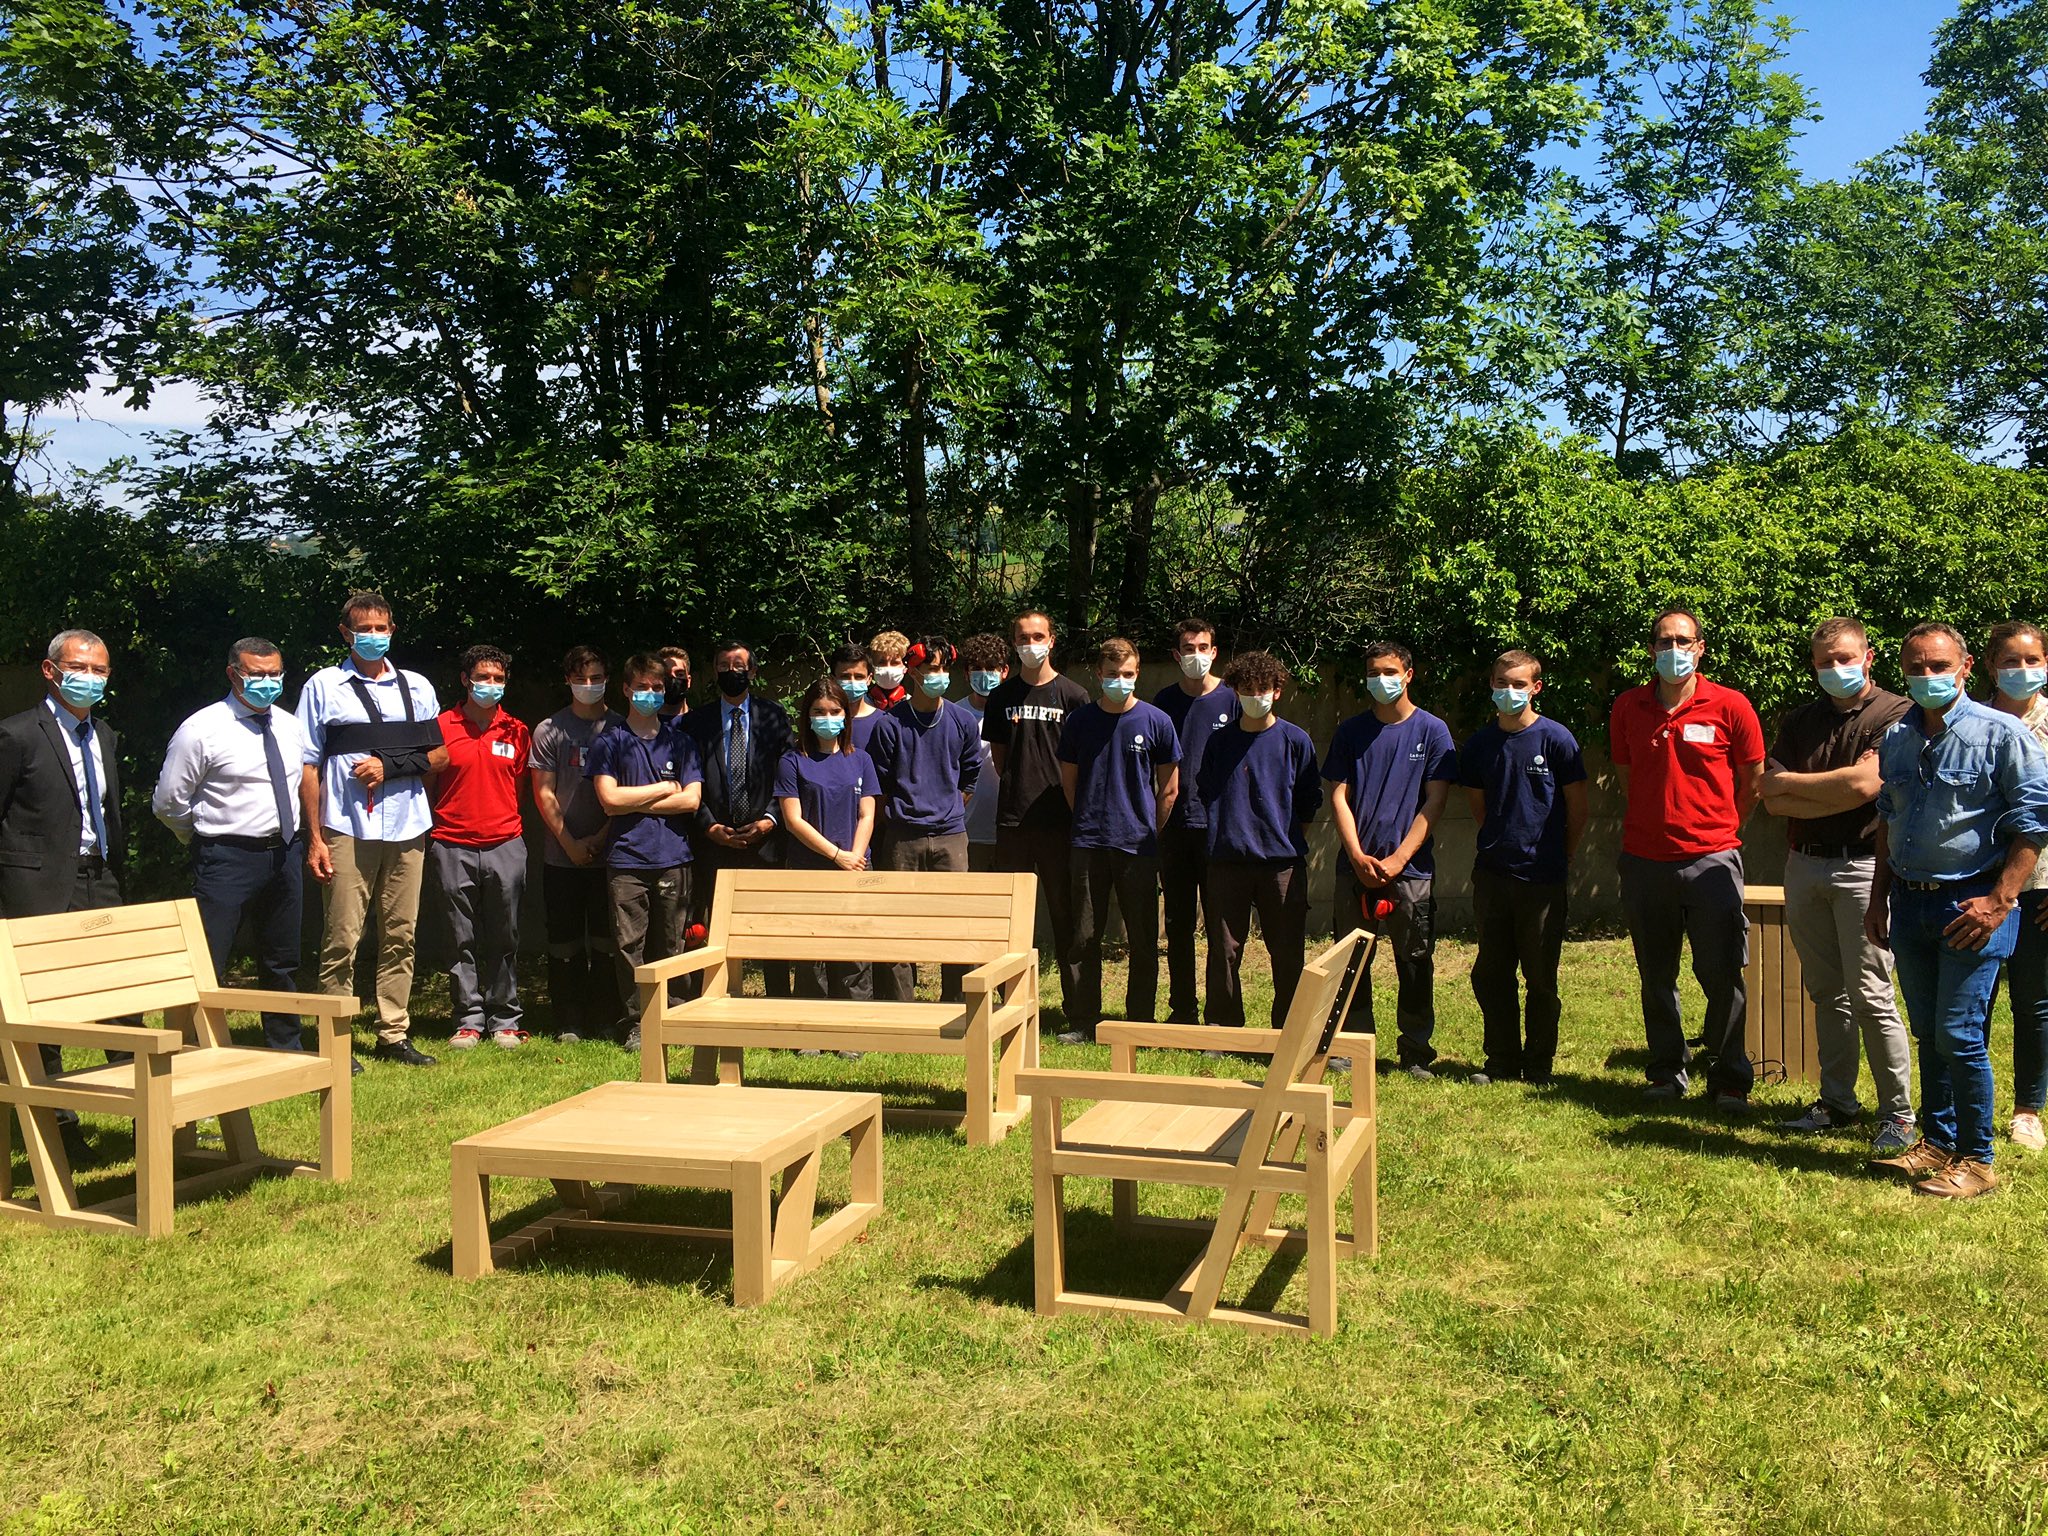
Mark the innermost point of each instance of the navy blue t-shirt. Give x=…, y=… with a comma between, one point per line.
x=1116, y=802
x=926, y=763
x=1389, y=769
x=639, y=840
x=828, y=790
x=864, y=727
x=1194, y=720
x=1522, y=775
x=1259, y=789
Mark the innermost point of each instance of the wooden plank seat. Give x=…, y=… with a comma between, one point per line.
x=1254, y=1141
x=61, y=977
x=979, y=920
x=597, y=1146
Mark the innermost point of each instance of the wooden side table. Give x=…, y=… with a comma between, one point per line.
x=596, y=1146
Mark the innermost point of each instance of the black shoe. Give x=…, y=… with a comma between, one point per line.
x=76, y=1151
x=404, y=1051
x=355, y=1065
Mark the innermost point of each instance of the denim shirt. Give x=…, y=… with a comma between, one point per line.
x=1951, y=803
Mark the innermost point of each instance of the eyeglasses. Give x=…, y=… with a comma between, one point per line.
x=1674, y=642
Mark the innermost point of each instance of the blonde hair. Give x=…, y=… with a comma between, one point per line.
x=888, y=647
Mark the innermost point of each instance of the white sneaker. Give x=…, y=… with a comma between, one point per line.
x=2026, y=1131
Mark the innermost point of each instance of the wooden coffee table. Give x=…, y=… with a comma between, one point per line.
x=596, y=1146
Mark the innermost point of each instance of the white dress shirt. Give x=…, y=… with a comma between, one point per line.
x=216, y=779
x=397, y=810
x=67, y=723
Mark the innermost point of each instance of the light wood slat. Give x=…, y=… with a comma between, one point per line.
x=820, y=1013
x=919, y=882
x=930, y=950
x=60, y=954
x=929, y=926
x=100, y=922
x=748, y=901
x=110, y=976
x=119, y=1002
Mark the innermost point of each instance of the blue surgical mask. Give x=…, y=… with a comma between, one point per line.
x=1384, y=689
x=81, y=690
x=2018, y=683
x=1842, y=682
x=487, y=693
x=855, y=689
x=1117, y=689
x=934, y=684
x=370, y=647
x=984, y=683
x=1256, y=706
x=1511, y=701
x=262, y=692
x=1676, y=665
x=648, y=701
x=827, y=726
x=1936, y=691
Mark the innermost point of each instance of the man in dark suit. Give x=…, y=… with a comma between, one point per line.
x=61, y=835
x=741, y=739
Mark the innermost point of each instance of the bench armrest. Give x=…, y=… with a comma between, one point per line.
x=1157, y=1088
x=679, y=965
x=257, y=1000
x=1004, y=968
x=137, y=1040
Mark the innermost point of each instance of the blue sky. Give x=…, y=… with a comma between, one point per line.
x=1860, y=59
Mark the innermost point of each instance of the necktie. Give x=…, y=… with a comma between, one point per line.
x=736, y=762
x=92, y=789
x=274, y=760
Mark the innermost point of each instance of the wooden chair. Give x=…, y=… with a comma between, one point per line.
x=1254, y=1141
x=61, y=976
x=936, y=918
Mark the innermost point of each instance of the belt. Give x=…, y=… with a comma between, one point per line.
x=1941, y=885
x=1835, y=850
x=269, y=843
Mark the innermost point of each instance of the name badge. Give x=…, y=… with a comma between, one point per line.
x=503, y=749
x=1700, y=734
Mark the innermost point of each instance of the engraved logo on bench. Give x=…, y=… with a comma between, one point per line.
x=91, y=923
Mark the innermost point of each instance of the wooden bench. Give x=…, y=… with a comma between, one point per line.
x=598, y=1145
x=978, y=920
x=1778, y=1032
x=61, y=976
x=1289, y=1135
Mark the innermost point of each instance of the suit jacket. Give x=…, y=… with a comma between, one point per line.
x=39, y=815
x=768, y=738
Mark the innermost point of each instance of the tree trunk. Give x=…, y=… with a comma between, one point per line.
x=1137, y=572
x=915, y=503
x=1084, y=506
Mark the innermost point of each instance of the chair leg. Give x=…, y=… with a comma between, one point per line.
x=703, y=1064
x=1048, y=1207
x=1009, y=1059
x=1365, y=1200
x=1322, y=1246
x=238, y=1135
x=337, y=1103
x=732, y=1060
x=753, y=1258
x=980, y=1080
x=155, y=1178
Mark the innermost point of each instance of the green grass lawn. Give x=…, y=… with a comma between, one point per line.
x=1583, y=1318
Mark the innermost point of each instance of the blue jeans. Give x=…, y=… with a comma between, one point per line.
x=2027, y=974
x=1947, y=992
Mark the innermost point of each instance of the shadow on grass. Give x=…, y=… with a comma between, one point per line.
x=699, y=1263
x=1102, y=1259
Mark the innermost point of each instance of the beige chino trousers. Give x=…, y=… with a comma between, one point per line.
x=386, y=876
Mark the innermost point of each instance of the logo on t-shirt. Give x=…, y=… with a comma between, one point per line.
x=1050, y=714
x=1538, y=768
x=1702, y=735
x=1418, y=752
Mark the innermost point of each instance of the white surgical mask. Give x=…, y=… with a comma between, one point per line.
x=588, y=693
x=889, y=677
x=1197, y=663
x=1256, y=706
x=1032, y=655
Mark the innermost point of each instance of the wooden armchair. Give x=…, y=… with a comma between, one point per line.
x=1254, y=1141
x=61, y=976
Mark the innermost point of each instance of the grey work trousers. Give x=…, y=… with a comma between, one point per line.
x=1696, y=900
x=480, y=890
x=1411, y=929
x=1850, y=981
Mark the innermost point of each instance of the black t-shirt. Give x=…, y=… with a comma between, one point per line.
x=1025, y=721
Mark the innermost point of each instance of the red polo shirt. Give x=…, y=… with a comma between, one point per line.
x=476, y=798
x=1683, y=767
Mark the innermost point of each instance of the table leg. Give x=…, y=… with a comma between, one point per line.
x=470, y=1198
x=797, y=1209
x=753, y=1256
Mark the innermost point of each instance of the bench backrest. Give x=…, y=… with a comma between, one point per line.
x=829, y=914
x=89, y=967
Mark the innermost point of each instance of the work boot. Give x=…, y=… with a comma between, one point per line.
x=1963, y=1179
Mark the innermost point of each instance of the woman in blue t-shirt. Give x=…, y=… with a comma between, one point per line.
x=827, y=793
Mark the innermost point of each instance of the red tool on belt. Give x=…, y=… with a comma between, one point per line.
x=1373, y=908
